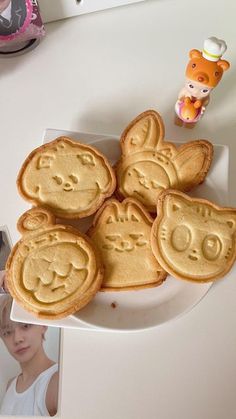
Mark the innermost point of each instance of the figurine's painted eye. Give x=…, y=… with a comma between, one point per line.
x=191, y=86
x=194, y=65
x=205, y=90
x=217, y=73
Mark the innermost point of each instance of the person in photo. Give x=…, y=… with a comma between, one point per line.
x=35, y=390
x=3, y=285
x=4, y=253
x=12, y=16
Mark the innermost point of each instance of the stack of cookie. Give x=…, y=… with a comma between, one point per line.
x=144, y=225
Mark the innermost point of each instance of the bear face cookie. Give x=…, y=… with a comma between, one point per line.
x=192, y=238
x=67, y=177
x=121, y=233
x=53, y=270
x=149, y=164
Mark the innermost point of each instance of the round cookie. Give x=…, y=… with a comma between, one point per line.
x=53, y=271
x=69, y=178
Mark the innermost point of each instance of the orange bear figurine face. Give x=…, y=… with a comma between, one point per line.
x=202, y=74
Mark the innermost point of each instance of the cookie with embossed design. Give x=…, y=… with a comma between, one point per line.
x=54, y=270
x=149, y=164
x=121, y=233
x=69, y=178
x=193, y=239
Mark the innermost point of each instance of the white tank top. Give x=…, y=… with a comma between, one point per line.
x=30, y=402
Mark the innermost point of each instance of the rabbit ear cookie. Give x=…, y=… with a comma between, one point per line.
x=149, y=164
x=121, y=234
x=69, y=178
x=146, y=131
x=54, y=270
x=193, y=239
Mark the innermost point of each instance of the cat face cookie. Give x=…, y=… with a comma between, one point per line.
x=121, y=233
x=69, y=178
x=192, y=238
x=53, y=270
x=149, y=164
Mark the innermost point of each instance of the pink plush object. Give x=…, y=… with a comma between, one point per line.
x=20, y=25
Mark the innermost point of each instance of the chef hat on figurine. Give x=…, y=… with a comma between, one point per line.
x=214, y=48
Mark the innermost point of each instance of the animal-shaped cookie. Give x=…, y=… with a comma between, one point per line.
x=53, y=270
x=121, y=233
x=193, y=239
x=149, y=164
x=69, y=178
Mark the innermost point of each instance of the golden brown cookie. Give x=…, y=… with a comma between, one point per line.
x=67, y=177
x=193, y=238
x=53, y=270
x=149, y=164
x=121, y=233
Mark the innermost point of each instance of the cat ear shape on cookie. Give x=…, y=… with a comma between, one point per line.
x=54, y=270
x=149, y=164
x=193, y=239
x=121, y=233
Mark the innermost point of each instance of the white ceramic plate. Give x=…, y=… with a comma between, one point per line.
x=137, y=310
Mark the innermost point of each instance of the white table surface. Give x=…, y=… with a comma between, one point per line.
x=95, y=73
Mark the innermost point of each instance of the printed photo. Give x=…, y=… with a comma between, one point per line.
x=29, y=358
x=12, y=15
x=5, y=248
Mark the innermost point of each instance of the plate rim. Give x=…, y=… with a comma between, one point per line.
x=84, y=324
